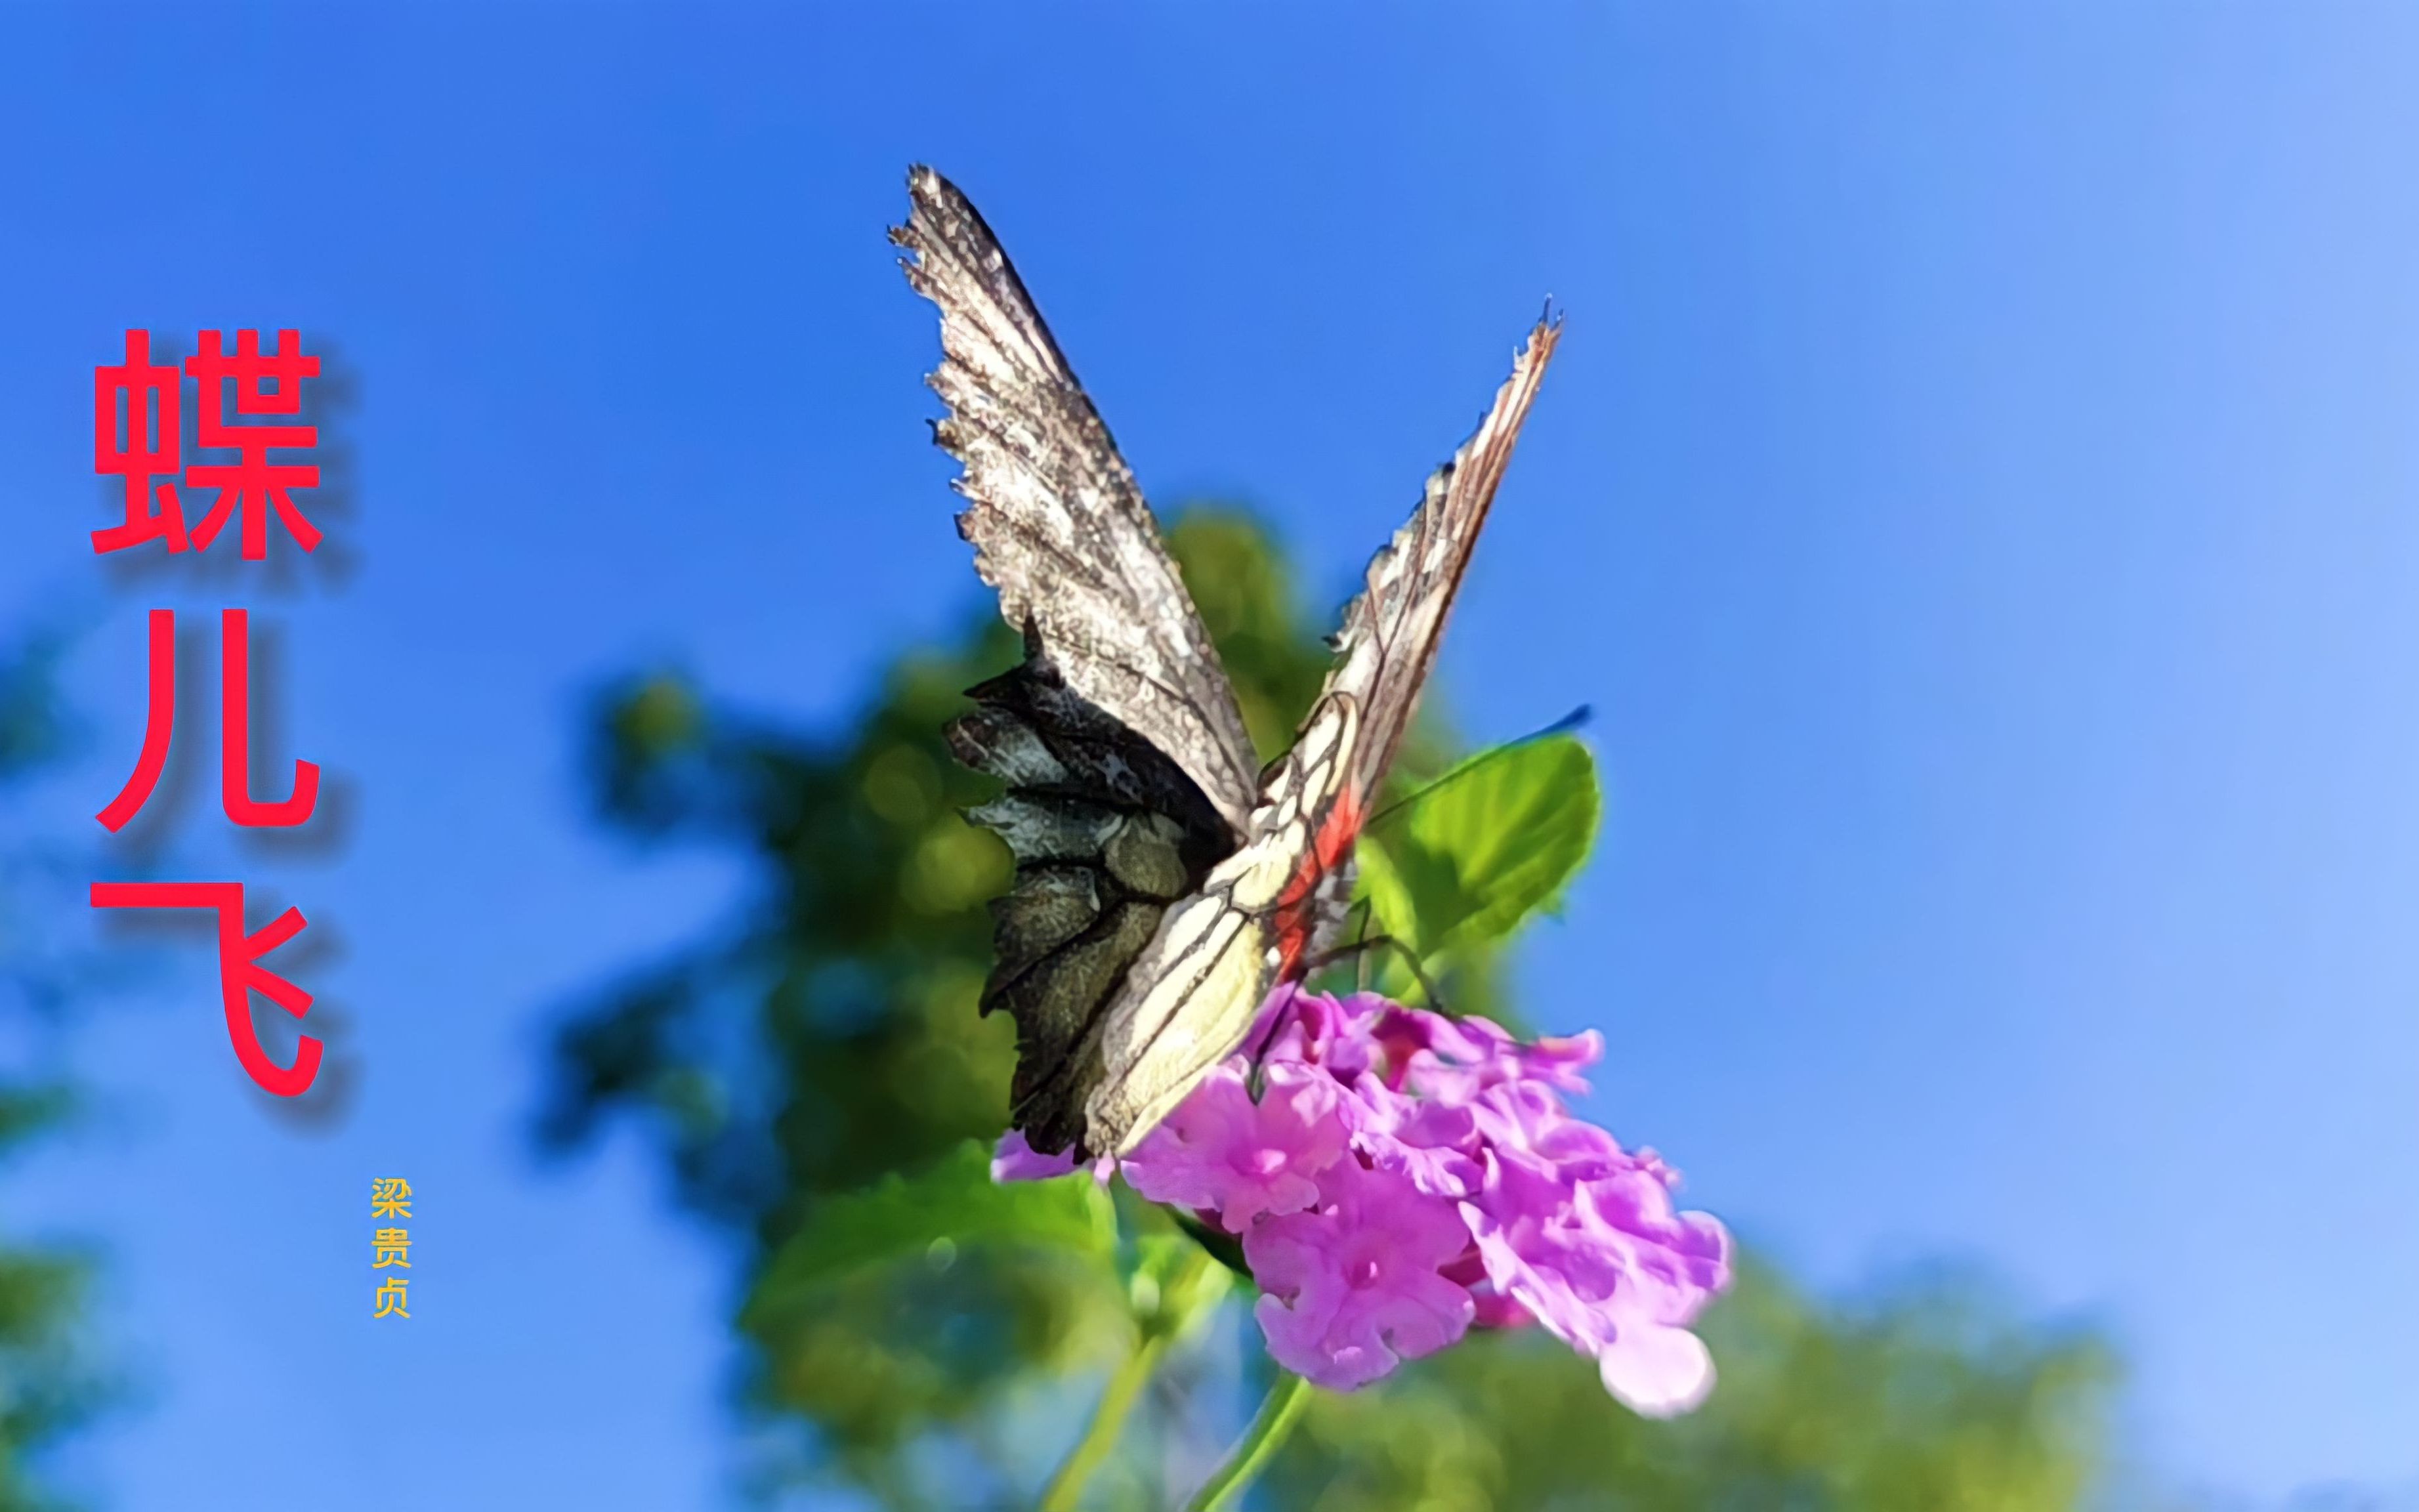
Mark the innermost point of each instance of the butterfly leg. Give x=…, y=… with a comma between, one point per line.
x=1359, y=950
x=1256, y=1081
x=1363, y=947
x=1360, y=962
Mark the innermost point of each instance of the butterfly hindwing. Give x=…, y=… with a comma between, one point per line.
x=1192, y=993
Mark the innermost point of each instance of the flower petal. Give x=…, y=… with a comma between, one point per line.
x=1658, y=1372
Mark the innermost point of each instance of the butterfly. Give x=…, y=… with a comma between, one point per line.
x=1164, y=881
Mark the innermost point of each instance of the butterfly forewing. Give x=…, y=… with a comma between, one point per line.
x=1060, y=526
x=1390, y=634
x=1189, y=1002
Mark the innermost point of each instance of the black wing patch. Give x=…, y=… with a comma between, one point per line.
x=1107, y=832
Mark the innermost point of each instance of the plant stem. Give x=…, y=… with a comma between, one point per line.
x=1278, y=1411
x=1066, y=1488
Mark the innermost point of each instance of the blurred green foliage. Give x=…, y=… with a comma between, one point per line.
x=48, y=1383
x=820, y=1082
x=1928, y=1399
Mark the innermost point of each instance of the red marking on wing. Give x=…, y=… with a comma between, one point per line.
x=1297, y=906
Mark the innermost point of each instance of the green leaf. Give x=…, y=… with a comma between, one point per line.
x=1462, y=864
x=951, y=1204
x=918, y=1300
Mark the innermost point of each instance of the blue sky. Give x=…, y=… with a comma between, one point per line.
x=1978, y=494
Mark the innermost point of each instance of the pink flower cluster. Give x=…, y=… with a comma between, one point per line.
x=1397, y=1175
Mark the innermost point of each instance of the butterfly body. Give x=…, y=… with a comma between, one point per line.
x=1164, y=882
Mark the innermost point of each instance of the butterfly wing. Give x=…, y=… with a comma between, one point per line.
x=1391, y=631
x=1190, y=996
x=1126, y=770
x=1058, y=525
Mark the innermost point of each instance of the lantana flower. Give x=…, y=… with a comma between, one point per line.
x=1353, y=1285
x=1223, y=1152
x=1398, y=1177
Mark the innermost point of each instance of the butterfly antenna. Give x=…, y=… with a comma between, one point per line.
x=1570, y=721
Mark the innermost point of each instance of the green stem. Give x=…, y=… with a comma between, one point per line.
x=1066, y=1488
x=1278, y=1412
